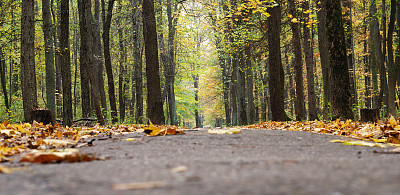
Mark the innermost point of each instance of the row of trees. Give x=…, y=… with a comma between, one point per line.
x=302, y=60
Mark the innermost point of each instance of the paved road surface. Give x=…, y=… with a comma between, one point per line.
x=252, y=162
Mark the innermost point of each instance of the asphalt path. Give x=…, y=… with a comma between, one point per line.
x=252, y=162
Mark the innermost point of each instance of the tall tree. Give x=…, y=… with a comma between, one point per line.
x=49, y=57
x=87, y=57
x=107, y=58
x=339, y=78
x=347, y=17
x=3, y=78
x=249, y=86
x=298, y=62
x=98, y=64
x=85, y=60
x=324, y=55
x=241, y=87
x=65, y=64
x=170, y=77
x=154, y=102
x=309, y=55
x=28, y=73
x=275, y=72
x=393, y=69
x=137, y=57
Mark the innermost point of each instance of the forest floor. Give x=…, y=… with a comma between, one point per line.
x=198, y=162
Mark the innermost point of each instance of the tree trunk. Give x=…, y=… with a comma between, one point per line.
x=339, y=78
x=122, y=72
x=233, y=90
x=324, y=55
x=107, y=59
x=275, y=72
x=224, y=64
x=241, y=89
x=393, y=69
x=28, y=73
x=84, y=60
x=308, y=53
x=57, y=59
x=49, y=58
x=65, y=64
x=196, y=99
x=347, y=17
x=298, y=66
x=137, y=57
x=3, y=78
x=170, y=77
x=377, y=57
x=98, y=58
x=87, y=57
x=154, y=102
x=249, y=87
x=264, y=90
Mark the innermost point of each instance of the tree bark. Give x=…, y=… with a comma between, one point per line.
x=107, y=58
x=347, y=6
x=324, y=55
x=339, y=78
x=308, y=53
x=170, y=77
x=137, y=57
x=233, y=90
x=3, y=78
x=49, y=58
x=28, y=73
x=298, y=64
x=249, y=86
x=98, y=57
x=65, y=64
x=84, y=60
x=154, y=102
x=241, y=89
x=393, y=69
x=276, y=74
x=122, y=72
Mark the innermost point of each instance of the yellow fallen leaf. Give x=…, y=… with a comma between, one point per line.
x=179, y=169
x=9, y=170
x=338, y=141
x=364, y=143
x=392, y=121
x=224, y=131
x=60, y=155
x=59, y=143
x=139, y=185
x=130, y=139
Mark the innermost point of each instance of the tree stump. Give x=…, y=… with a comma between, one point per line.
x=42, y=115
x=369, y=115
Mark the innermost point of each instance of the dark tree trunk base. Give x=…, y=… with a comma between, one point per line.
x=42, y=116
x=369, y=115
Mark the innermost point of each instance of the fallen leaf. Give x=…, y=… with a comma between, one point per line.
x=179, y=169
x=392, y=121
x=393, y=151
x=139, y=185
x=224, y=131
x=9, y=170
x=393, y=140
x=364, y=143
x=59, y=143
x=57, y=155
x=130, y=139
